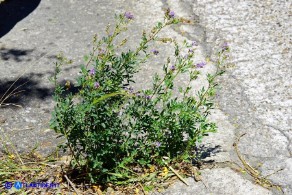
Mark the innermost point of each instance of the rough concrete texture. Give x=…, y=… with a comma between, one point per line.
x=255, y=94
x=218, y=181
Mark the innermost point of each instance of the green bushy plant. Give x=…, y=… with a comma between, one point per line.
x=110, y=129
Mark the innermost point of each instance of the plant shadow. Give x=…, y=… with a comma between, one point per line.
x=203, y=152
x=27, y=89
x=16, y=55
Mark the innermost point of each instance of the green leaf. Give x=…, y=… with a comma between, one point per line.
x=86, y=58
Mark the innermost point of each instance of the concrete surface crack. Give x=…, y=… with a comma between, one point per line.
x=258, y=178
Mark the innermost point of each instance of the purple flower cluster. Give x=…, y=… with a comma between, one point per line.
x=171, y=14
x=155, y=52
x=194, y=43
x=128, y=15
x=101, y=51
x=157, y=144
x=189, y=54
x=148, y=97
x=96, y=85
x=129, y=89
x=191, y=51
x=92, y=72
x=172, y=68
x=201, y=64
x=140, y=95
x=225, y=46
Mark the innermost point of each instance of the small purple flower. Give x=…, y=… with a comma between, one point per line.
x=101, y=51
x=191, y=51
x=138, y=94
x=92, y=72
x=172, y=68
x=201, y=64
x=96, y=85
x=194, y=43
x=157, y=144
x=148, y=97
x=171, y=14
x=155, y=52
x=128, y=15
x=225, y=46
x=186, y=56
x=131, y=89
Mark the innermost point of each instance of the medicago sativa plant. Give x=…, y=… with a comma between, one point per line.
x=113, y=131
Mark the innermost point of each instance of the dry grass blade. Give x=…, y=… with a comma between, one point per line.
x=176, y=173
x=8, y=104
x=12, y=146
x=70, y=182
x=5, y=96
x=259, y=179
x=142, y=188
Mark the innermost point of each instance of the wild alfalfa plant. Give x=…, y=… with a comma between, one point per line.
x=114, y=132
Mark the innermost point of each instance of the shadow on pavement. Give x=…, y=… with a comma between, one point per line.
x=203, y=151
x=17, y=55
x=28, y=89
x=13, y=11
x=23, y=90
